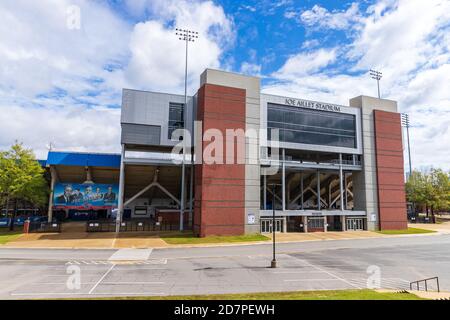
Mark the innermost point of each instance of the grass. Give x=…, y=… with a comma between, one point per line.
x=406, y=231
x=191, y=239
x=6, y=235
x=364, y=294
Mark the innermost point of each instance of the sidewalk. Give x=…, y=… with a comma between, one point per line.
x=439, y=227
x=75, y=238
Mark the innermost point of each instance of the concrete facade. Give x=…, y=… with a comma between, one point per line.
x=348, y=166
x=251, y=85
x=366, y=180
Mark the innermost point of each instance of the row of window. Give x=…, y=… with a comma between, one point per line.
x=296, y=125
x=306, y=126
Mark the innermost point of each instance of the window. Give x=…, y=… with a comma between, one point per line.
x=176, y=117
x=306, y=126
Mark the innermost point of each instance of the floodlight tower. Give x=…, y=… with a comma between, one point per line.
x=377, y=75
x=405, y=123
x=186, y=36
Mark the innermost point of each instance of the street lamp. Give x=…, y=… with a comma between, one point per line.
x=273, y=263
x=377, y=75
x=186, y=36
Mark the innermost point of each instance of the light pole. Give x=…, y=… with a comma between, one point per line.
x=273, y=263
x=377, y=75
x=186, y=36
x=405, y=123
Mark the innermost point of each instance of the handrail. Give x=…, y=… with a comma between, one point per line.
x=426, y=284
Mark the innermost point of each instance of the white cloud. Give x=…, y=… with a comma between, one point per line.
x=306, y=63
x=158, y=56
x=409, y=41
x=320, y=17
x=39, y=52
x=56, y=84
x=73, y=127
x=251, y=69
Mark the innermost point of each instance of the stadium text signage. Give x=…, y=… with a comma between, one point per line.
x=313, y=105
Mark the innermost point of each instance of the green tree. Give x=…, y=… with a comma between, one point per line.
x=21, y=178
x=431, y=190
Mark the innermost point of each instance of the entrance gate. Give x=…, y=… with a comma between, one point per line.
x=266, y=225
x=355, y=224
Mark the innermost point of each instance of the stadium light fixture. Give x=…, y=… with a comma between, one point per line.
x=377, y=75
x=187, y=36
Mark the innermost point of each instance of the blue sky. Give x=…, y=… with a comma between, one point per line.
x=64, y=62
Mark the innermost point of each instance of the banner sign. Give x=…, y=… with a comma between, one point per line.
x=85, y=196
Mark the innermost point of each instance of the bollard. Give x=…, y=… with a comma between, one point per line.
x=26, y=226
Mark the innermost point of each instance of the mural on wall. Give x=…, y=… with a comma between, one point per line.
x=87, y=196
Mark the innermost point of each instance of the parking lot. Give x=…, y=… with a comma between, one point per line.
x=344, y=264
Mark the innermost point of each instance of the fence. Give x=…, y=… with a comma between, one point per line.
x=44, y=227
x=133, y=226
x=420, y=219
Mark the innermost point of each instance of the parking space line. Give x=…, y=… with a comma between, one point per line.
x=295, y=272
x=85, y=294
x=101, y=279
x=298, y=280
x=330, y=273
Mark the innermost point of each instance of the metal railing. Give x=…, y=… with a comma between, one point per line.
x=417, y=283
x=133, y=226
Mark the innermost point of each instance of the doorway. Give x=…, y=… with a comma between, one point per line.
x=266, y=225
x=355, y=224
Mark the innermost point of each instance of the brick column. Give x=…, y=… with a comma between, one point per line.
x=220, y=188
x=390, y=172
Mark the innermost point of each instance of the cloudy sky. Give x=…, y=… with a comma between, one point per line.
x=61, y=77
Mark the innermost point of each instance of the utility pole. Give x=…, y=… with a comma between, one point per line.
x=186, y=36
x=377, y=75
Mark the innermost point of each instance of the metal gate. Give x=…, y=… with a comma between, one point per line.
x=266, y=225
x=355, y=224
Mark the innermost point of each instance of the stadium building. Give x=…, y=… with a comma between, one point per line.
x=327, y=167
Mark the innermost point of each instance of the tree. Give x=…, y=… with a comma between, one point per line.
x=21, y=178
x=431, y=190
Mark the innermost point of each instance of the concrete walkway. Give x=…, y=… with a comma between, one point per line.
x=73, y=237
x=439, y=227
x=85, y=240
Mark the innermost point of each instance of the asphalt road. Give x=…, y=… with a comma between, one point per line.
x=389, y=263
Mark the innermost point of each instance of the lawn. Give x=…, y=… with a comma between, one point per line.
x=364, y=294
x=6, y=235
x=191, y=239
x=406, y=231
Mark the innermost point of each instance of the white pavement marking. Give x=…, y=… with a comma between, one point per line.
x=301, y=280
x=329, y=273
x=111, y=261
x=84, y=294
x=103, y=277
x=295, y=272
x=131, y=255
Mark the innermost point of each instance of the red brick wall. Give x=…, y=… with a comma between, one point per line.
x=219, y=207
x=390, y=174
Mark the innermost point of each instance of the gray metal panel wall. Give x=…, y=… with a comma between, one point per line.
x=152, y=108
x=141, y=134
